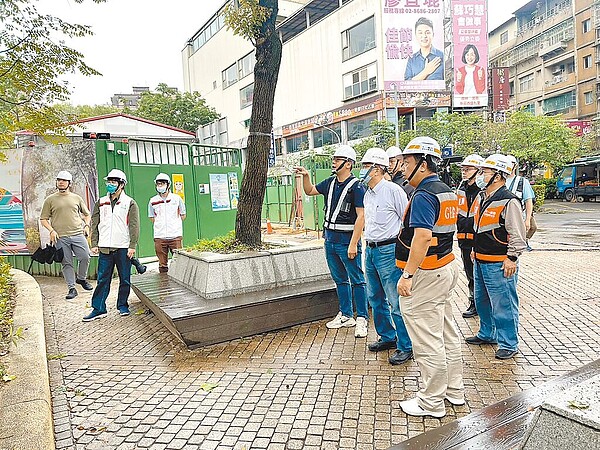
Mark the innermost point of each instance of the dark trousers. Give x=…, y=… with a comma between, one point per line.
x=106, y=265
x=162, y=248
x=468, y=266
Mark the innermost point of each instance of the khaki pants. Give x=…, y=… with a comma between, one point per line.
x=162, y=248
x=436, y=344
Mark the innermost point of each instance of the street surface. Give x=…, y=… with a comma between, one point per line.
x=126, y=383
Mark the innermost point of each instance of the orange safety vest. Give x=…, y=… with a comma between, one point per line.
x=491, y=238
x=440, y=250
x=466, y=214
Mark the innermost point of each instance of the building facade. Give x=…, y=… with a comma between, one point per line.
x=331, y=80
x=552, y=51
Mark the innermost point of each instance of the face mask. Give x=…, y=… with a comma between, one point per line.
x=161, y=190
x=365, y=176
x=480, y=182
x=111, y=188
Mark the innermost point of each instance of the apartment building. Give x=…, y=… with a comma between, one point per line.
x=551, y=48
x=331, y=83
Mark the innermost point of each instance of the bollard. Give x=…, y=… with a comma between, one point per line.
x=269, y=227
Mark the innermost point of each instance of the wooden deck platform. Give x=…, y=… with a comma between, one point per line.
x=198, y=321
x=501, y=426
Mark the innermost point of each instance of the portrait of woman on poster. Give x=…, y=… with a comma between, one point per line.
x=470, y=78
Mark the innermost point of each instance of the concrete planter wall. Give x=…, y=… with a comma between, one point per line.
x=214, y=275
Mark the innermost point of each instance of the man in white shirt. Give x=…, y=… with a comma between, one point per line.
x=167, y=211
x=385, y=203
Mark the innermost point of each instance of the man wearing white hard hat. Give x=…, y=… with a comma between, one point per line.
x=115, y=234
x=499, y=241
x=67, y=218
x=521, y=187
x=467, y=193
x=385, y=203
x=166, y=210
x=343, y=225
x=395, y=174
x=424, y=253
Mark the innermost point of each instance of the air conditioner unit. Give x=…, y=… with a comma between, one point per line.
x=556, y=71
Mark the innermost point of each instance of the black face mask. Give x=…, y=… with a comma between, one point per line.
x=335, y=171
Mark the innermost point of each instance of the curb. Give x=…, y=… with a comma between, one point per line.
x=26, y=409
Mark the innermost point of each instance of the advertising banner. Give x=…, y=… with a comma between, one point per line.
x=500, y=88
x=469, y=31
x=413, y=43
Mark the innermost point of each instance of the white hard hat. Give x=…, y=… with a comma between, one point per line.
x=345, y=151
x=498, y=162
x=64, y=175
x=393, y=152
x=116, y=174
x=513, y=161
x=376, y=155
x=473, y=160
x=423, y=145
x=162, y=177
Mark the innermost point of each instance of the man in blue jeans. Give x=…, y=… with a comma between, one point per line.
x=115, y=233
x=498, y=242
x=343, y=224
x=385, y=203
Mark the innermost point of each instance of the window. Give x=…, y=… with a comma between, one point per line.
x=360, y=82
x=587, y=61
x=358, y=39
x=589, y=97
x=209, y=31
x=529, y=108
x=504, y=38
x=246, y=95
x=246, y=65
x=586, y=25
x=526, y=83
x=229, y=76
x=327, y=136
x=556, y=105
x=361, y=126
x=297, y=143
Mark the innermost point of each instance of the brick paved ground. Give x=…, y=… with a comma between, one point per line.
x=126, y=383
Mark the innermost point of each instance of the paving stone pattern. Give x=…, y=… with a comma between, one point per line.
x=126, y=383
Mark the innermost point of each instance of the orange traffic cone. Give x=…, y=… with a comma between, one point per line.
x=269, y=227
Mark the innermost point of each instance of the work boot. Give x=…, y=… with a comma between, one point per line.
x=471, y=310
x=85, y=284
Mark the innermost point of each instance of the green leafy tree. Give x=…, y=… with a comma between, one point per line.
x=33, y=56
x=460, y=130
x=169, y=106
x=255, y=20
x=77, y=112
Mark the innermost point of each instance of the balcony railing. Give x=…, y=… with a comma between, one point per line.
x=538, y=20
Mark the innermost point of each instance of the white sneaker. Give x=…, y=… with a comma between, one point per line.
x=455, y=401
x=412, y=408
x=340, y=321
x=361, y=327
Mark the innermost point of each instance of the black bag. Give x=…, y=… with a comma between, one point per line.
x=47, y=255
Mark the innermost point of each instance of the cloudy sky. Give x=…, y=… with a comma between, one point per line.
x=139, y=42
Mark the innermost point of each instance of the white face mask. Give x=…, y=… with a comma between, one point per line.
x=161, y=190
x=480, y=181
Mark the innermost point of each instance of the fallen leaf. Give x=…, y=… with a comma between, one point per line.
x=6, y=378
x=139, y=312
x=577, y=404
x=52, y=356
x=208, y=386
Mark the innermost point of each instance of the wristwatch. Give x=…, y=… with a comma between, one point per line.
x=512, y=258
x=406, y=275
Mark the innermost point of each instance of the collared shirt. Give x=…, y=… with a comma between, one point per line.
x=416, y=64
x=384, y=208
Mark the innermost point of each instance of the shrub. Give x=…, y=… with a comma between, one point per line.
x=6, y=305
x=550, y=185
x=220, y=244
x=540, y=195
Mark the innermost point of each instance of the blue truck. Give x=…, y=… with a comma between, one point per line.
x=580, y=180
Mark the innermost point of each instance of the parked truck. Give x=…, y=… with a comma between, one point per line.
x=580, y=180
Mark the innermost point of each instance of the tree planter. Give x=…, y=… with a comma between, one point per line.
x=207, y=297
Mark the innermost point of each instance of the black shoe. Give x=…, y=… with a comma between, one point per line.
x=476, y=340
x=381, y=345
x=72, y=294
x=471, y=310
x=85, y=284
x=399, y=357
x=505, y=354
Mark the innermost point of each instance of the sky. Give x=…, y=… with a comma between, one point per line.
x=139, y=42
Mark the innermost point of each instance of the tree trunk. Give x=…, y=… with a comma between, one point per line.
x=254, y=181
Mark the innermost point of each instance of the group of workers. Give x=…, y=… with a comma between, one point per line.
x=407, y=218
x=113, y=229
